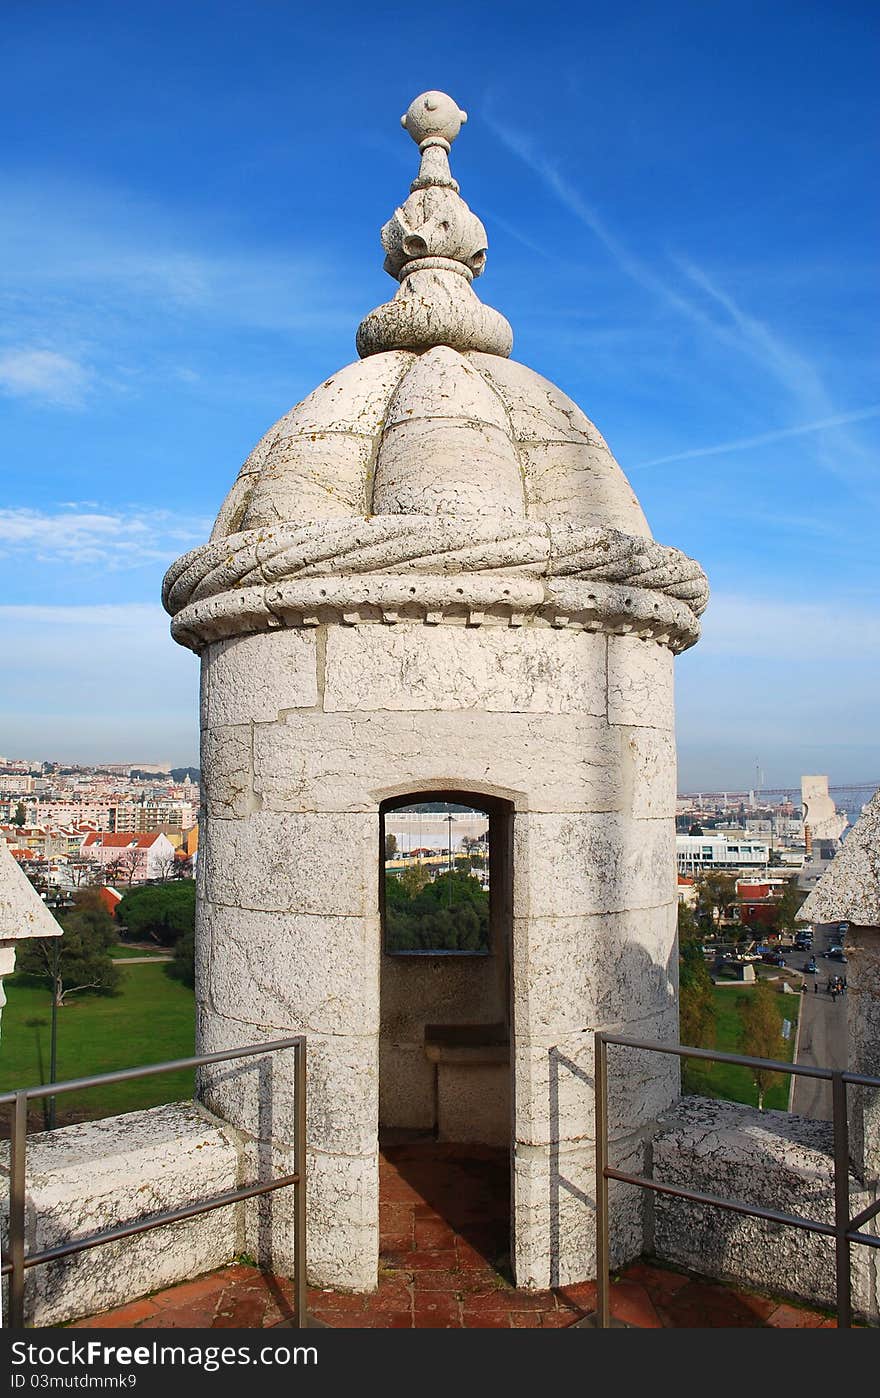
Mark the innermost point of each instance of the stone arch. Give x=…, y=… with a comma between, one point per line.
x=445, y=1015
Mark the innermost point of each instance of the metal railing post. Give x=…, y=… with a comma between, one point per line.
x=16, y=1266
x=299, y=1189
x=841, y=1200
x=600, y=1072
x=17, y=1182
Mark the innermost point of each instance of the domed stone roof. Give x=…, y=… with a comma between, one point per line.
x=436, y=477
x=436, y=433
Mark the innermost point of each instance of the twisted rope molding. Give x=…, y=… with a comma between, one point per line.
x=401, y=568
x=392, y=545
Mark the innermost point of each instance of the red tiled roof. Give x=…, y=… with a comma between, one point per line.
x=124, y=841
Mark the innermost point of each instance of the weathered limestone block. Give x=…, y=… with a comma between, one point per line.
x=640, y=684
x=406, y=1085
x=227, y=781
x=592, y=972
x=257, y=677
x=863, y=1023
x=578, y=482
x=420, y=990
x=649, y=772
x=530, y=669
x=293, y=972
x=775, y=1159
x=446, y=446
x=318, y=864
x=554, y=1198
x=258, y=1096
x=473, y=1099
x=342, y=1200
x=343, y=1204
x=577, y=865
x=555, y=1084
x=87, y=1178
x=305, y=480
x=554, y=762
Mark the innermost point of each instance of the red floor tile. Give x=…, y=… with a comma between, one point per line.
x=126, y=1316
x=792, y=1318
x=444, y=1226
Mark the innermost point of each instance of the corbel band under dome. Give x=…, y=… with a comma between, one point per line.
x=435, y=570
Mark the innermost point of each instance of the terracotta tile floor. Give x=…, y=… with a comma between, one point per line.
x=444, y=1265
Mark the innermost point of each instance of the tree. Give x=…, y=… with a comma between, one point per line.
x=696, y=830
x=128, y=862
x=716, y=895
x=20, y=817
x=411, y=881
x=183, y=868
x=162, y=913
x=761, y=1034
x=164, y=867
x=789, y=906
x=183, y=967
x=696, y=1001
x=84, y=872
x=80, y=959
x=449, y=914
x=390, y=845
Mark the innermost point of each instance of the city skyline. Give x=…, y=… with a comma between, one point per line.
x=680, y=223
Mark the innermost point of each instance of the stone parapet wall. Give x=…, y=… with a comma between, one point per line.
x=95, y=1176
x=771, y=1159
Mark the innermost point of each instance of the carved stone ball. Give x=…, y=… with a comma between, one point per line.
x=433, y=114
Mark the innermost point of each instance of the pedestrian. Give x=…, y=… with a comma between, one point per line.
x=815, y=987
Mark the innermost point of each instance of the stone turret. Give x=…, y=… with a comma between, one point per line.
x=22, y=914
x=431, y=578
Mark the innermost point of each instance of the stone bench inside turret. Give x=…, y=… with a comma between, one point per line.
x=472, y=1081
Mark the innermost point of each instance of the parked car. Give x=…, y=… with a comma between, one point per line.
x=836, y=954
x=773, y=958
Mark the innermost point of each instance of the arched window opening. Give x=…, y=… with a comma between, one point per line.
x=437, y=884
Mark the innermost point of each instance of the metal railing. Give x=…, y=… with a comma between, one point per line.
x=844, y=1230
x=19, y=1261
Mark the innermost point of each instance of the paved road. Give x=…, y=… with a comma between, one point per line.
x=822, y=1043
x=138, y=960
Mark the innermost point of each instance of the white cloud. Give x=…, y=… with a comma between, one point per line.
x=764, y=439
x=45, y=375
x=717, y=315
x=115, y=539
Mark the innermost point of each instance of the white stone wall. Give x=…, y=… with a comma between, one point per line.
x=771, y=1159
x=863, y=1025
x=305, y=732
x=88, y=1178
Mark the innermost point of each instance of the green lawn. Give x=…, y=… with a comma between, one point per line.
x=724, y=1079
x=151, y=1018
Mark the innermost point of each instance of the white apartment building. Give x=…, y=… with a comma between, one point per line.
x=695, y=852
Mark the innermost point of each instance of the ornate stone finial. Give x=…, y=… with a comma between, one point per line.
x=434, y=247
x=433, y=120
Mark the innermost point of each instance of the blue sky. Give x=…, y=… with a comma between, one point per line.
x=682, y=215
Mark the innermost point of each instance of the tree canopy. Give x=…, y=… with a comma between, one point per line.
x=80, y=959
x=696, y=1002
x=449, y=914
x=161, y=913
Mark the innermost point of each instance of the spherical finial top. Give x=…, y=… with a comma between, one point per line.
x=433, y=116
